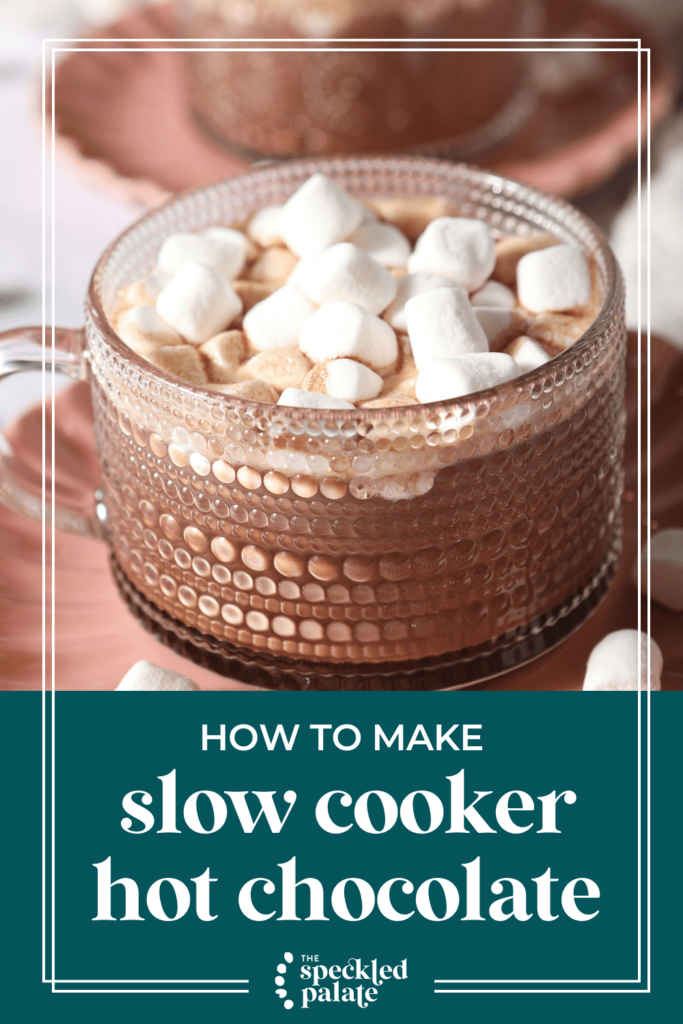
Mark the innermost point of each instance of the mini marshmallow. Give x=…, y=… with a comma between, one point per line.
x=252, y=390
x=666, y=569
x=511, y=248
x=311, y=400
x=558, y=329
x=319, y=214
x=383, y=242
x=494, y=294
x=198, y=302
x=345, y=273
x=278, y=321
x=145, y=291
x=460, y=248
x=443, y=379
x=442, y=324
x=495, y=321
x=264, y=226
x=345, y=329
x=618, y=661
x=554, y=279
x=222, y=355
x=527, y=353
x=391, y=400
x=180, y=361
x=142, y=329
x=223, y=249
x=408, y=286
x=251, y=292
x=274, y=264
x=344, y=378
x=280, y=367
x=146, y=676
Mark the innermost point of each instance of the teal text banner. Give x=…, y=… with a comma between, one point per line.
x=278, y=854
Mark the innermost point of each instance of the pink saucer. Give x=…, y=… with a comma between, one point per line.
x=123, y=117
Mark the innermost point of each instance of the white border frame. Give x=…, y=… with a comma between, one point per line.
x=646, y=270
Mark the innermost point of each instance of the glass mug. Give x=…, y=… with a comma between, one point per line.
x=426, y=547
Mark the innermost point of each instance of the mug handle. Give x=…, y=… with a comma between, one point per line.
x=20, y=350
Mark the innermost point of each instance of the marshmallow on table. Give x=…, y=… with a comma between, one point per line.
x=444, y=379
x=619, y=662
x=277, y=322
x=345, y=329
x=383, y=242
x=344, y=378
x=554, y=279
x=666, y=569
x=223, y=249
x=527, y=353
x=319, y=214
x=441, y=324
x=345, y=272
x=142, y=329
x=494, y=294
x=264, y=226
x=311, y=400
x=460, y=248
x=198, y=303
x=280, y=367
x=408, y=286
x=146, y=676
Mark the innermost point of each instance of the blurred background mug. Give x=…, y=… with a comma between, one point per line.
x=396, y=94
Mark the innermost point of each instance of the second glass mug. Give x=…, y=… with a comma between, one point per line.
x=427, y=547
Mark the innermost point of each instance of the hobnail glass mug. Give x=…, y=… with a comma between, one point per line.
x=424, y=547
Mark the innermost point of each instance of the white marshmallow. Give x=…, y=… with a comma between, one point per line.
x=345, y=272
x=347, y=379
x=311, y=400
x=527, y=353
x=618, y=661
x=264, y=226
x=223, y=249
x=146, y=676
x=198, y=303
x=443, y=379
x=277, y=322
x=460, y=248
x=494, y=319
x=146, y=321
x=494, y=294
x=345, y=329
x=408, y=286
x=666, y=569
x=442, y=324
x=318, y=215
x=384, y=242
x=554, y=280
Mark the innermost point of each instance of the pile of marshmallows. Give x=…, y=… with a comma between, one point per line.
x=342, y=307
